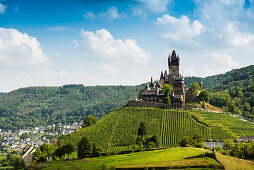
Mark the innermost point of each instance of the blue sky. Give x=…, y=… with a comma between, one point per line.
x=112, y=42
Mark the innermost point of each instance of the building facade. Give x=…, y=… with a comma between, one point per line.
x=153, y=91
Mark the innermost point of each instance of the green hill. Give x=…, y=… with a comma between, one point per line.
x=117, y=132
x=236, y=77
x=34, y=106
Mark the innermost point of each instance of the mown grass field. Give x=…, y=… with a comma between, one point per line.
x=232, y=163
x=172, y=157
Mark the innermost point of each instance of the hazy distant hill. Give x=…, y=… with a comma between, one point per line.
x=42, y=105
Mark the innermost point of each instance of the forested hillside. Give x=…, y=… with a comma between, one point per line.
x=237, y=77
x=43, y=105
x=234, y=91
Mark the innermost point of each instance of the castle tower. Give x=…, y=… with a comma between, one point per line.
x=173, y=64
x=201, y=85
x=162, y=80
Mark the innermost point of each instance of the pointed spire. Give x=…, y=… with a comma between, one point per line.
x=165, y=73
x=157, y=85
x=151, y=79
x=161, y=75
x=169, y=58
x=173, y=55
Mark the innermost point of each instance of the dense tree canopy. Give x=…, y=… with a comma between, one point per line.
x=203, y=96
x=89, y=120
x=35, y=106
x=194, y=88
x=84, y=148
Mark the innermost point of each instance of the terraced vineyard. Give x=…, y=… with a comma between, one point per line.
x=117, y=132
x=176, y=124
x=232, y=126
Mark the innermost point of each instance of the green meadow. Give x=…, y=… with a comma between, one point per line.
x=172, y=158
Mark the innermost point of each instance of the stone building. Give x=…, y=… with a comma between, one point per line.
x=153, y=91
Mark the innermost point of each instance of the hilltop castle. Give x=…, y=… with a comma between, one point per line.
x=153, y=92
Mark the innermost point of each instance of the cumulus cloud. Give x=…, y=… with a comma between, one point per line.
x=23, y=62
x=178, y=29
x=103, y=45
x=18, y=46
x=2, y=8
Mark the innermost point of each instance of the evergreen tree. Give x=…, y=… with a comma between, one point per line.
x=203, y=96
x=142, y=129
x=84, y=148
x=89, y=120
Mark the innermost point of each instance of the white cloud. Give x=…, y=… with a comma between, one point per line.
x=102, y=45
x=219, y=63
x=15, y=45
x=238, y=38
x=178, y=29
x=157, y=6
x=23, y=62
x=2, y=8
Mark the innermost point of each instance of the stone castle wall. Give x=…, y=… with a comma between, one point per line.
x=134, y=103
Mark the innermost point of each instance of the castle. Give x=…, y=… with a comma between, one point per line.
x=153, y=92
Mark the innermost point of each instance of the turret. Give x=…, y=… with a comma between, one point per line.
x=161, y=75
x=157, y=85
x=162, y=80
x=151, y=83
x=165, y=74
x=146, y=87
x=201, y=85
x=169, y=59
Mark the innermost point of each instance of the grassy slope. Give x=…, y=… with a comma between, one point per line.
x=232, y=125
x=173, y=157
x=117, y=132
x=231, y=163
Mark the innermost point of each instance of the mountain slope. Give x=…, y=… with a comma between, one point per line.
x=43, y=105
